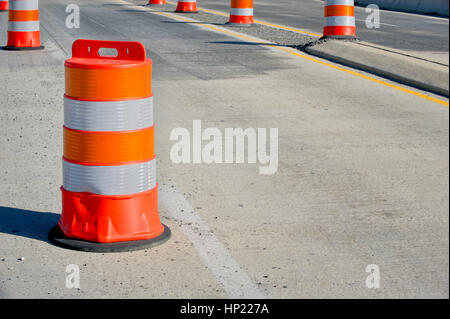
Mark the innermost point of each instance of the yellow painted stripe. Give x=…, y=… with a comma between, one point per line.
x=298, y=54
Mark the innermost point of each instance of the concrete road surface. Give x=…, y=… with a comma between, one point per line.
x=362, y=173
x=424, y=36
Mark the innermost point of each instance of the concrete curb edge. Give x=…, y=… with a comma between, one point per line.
x=419, y=81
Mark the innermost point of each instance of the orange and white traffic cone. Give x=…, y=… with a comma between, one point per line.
x=339, y=19
x=3, y=5
x=187, y=6
x=156, y=2
x=23, y=25
x=109, y=192
x=241, y=12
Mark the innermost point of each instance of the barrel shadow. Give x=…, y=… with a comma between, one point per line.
x=27, y=223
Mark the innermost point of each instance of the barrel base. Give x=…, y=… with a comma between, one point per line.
x=57, y=237
x=7, y=48
x=234, y=24
x=180, y=11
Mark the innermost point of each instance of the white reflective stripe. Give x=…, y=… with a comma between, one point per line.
x=23, y=5
x=21, y=26
x=108, y=116
x=188, y=1
x=340, y=21
x=241, y=11
x=339, y=2
x=110, y=180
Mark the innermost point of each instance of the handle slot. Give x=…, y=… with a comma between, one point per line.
x=108, y=52
x=120, y=50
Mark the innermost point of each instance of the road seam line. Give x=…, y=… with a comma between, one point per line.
x=227, y=271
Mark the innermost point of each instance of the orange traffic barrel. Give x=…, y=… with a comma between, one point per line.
x=339, y=19
x=23, y=25
x=3, y=5
x=109, y=191
x=241, y=12
x=156, y=1
x=187, y=6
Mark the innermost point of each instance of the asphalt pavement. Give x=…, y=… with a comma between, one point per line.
x=424, y=36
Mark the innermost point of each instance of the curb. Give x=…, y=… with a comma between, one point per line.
x=418, y=73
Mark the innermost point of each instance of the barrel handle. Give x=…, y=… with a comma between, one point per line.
x=126, y=50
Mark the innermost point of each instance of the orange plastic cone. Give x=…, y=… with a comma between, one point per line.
x=241, y=12
x=339, y=19
x=23, y=25
x=3, y=5
x=156, y=1
x=187, y=6
x=109, y=192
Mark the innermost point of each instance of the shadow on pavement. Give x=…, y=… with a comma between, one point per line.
x=140, y=11
x=27, y=223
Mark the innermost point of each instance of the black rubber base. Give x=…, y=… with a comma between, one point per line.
x=22, y=48
x=339, y=37
x=57, y=237
x=185, y=11
x=4, y=10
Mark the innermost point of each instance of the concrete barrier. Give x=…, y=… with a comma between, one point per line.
x=439, y=7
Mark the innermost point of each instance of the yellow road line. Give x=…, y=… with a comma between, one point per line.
x=297, y=54
x=221, y=30
x=277, y=26
x=397, y=87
